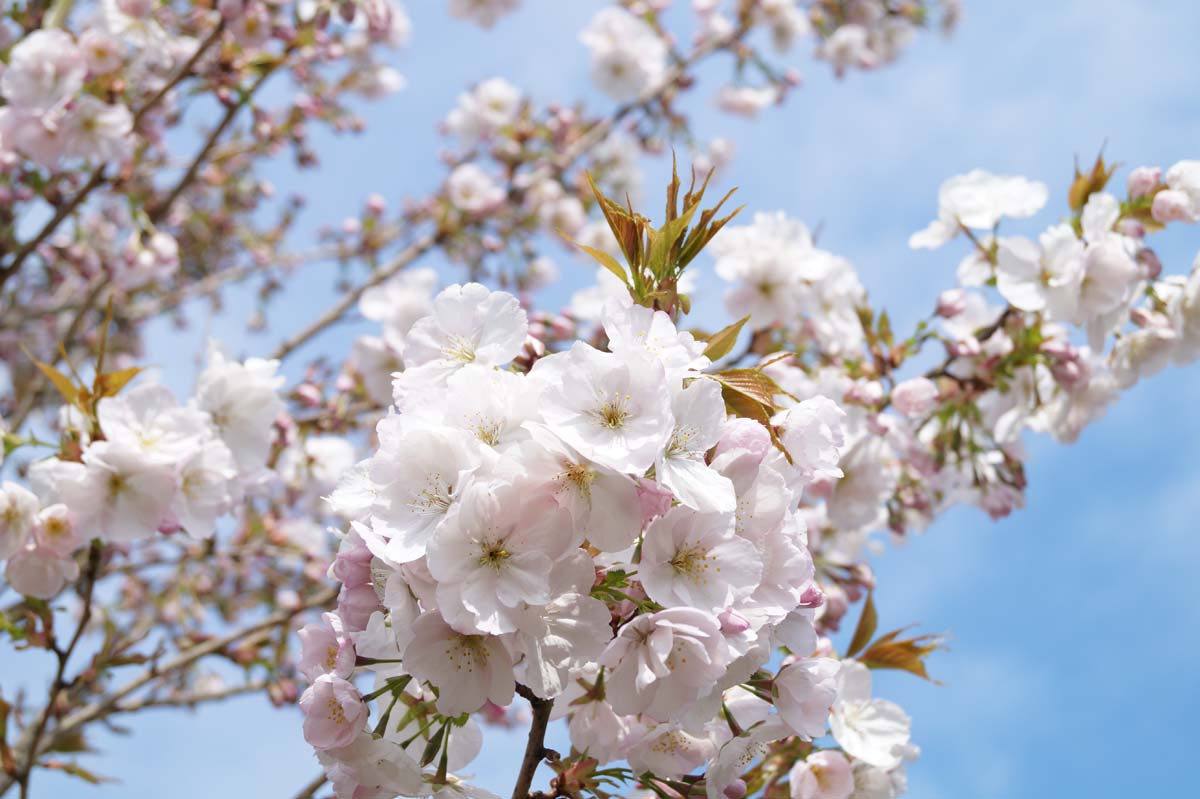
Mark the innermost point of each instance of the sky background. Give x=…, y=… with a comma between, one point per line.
x=1073, y=623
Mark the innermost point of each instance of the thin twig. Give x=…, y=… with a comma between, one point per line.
x=24, y=775
x=590, y=139
x=348, y=300
x=109, y=704
x=311, y=788
x=38, y=381
x=190, y=700
x=159, y=209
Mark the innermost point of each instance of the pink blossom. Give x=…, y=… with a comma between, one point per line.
x=334, y=712
x=1142, y=180
x=915, y=397
x=325, y=649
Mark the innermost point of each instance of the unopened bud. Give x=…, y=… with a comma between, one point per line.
x=1143, y=180
x=376, y=205
x=733, y=622
x=1171, y=206
x=951, y=303
x=1148, y=264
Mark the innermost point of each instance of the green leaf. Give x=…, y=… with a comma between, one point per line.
x=721, y=343
x=867, y=624
x=110, y=384
x=605, y=260
x=664, y=240
x=60, y=381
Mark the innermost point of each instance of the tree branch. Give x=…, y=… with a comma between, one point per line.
x=110, y=703
x=535, y=746
x=348, y=300
x=25, y=773
x=590, y=139
x=311, y=787
x=160, y=209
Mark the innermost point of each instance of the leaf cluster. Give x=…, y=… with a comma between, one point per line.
x=655, y=258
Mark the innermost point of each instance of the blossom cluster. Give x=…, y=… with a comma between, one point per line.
x=649, y=535
x=146, y=464
x=1086, y=313
x=596, y=529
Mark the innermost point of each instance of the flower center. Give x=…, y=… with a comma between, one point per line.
x=434, y=498
x=694, y=563
x=493, y=556
x=460, y=349
x=614, y=412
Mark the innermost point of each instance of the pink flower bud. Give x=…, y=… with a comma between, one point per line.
x=733, y=622
x=355, y=606
x=1143, y=180
x=813, y=597
x=735, y=789
x=1171, y=206
x=1149, y=265
x=1132, y=228
x=39, y=574
x=951, y=303
x=1000, y=500
x=309, y=395
x=655, y=500
x=376, y=205
x=334, y=713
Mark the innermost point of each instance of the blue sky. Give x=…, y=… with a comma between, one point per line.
x=1073, y=623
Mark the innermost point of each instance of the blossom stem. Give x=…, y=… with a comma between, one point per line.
x=535, y=749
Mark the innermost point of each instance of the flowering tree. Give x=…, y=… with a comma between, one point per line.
x=645, y=523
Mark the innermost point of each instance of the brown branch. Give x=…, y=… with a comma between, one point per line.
x=25, y=773
x=109, y=704
x=592, y=137
x=38, y=381
x=190, y=700
x=348, y=300
x=535, y=745
x=311, y=787
x=159, y=209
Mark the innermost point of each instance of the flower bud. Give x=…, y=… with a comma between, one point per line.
x=813, y=597
x=735, y=789
x=951, y=303
x=1143, y=180
x=733, y=622
x=1171, y=206
x=1149, y=265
